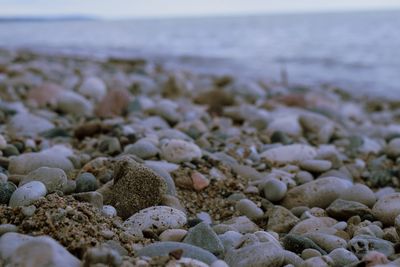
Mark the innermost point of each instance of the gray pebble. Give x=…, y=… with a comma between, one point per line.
x=274, y=190
x=86, y=182
x=27, y=194
x=6, y=190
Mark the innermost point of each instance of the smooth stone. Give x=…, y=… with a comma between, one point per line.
x=94, y=198
x=241, y=224
x=297, y=244
x=3, y=142
x=26, y=124
x=157, y=218
x=110, y=146
x=93, y=87
x=175, y=235
x=55, y=157
x=256, y=255
x=173, y=202
x=86, y=182
x=314, y=165
x=327, y=242
x=344, y=209
x=387, y=208
x=27, y=194
x=303, y=177
x=102, y=256
x=114, y=103
x=286, y=124
x=9, y=242
x=177, y=151
x=342, y=257
x=219, y=263
x=393, y=148
x=362, y=244
x=274, y=190
x=249, y=208
x=359, y=193
x=144, y=149
x=280, y=219
x=6, y=191
x=318, y=124
x=135, y=187
x=54, y=179
x=73, y=103
x=167, y=166
x=42, y=251
x=310, y=253
x=28, y=211
x=318, y=193
x=230, y=240
x=203, y=236
x=291, y=258
x=384, y=192
x=289, y=154
x=312, y=224
x=109, y=211
x=189, y=251
x=323, y=261
x=8, y=228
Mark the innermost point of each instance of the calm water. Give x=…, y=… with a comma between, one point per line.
x=359, y=51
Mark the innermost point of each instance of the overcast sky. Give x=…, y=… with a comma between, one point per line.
x=162, y=8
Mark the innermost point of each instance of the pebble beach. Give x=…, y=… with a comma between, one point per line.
x=124, y=162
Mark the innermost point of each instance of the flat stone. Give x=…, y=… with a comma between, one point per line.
x=240, y=224
x=317, y=193
x=342, y=257
x=387, y=208
x=158, y=218
x=360, y=193
x=178, y=151
x=54, y=179
x=327, y=242
x=203, y=236
x=289, y=154
x=27, y=194
x=312, y=224
x=143, y=149
x=175, y=235
x=297, y=244
x=135, y=187
x=73, y=103
x=314, y=165
x=189, y=251
x=344, y=209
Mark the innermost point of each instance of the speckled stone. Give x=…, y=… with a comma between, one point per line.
x=6, y=190
x=86, y=182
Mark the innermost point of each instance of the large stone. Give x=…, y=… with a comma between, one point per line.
x=343, y=209
x=157, y=218
x=135, y=187
x=387, y=208
x=362, y=244
x=203, y=236
x=27, y=124
x=318, y=193
x=281, y=220
x=53, y=178
x=289, y=154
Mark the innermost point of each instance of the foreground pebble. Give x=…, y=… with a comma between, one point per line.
x=27, y=194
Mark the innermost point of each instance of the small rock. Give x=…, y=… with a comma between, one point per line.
x=72, y=103
x=318, y=193
x=360, y=193
x=289, y=154
x=274, y=190
x=157, y=218
x=342, y=257
x=43, y=95
x=175, y=235
x=102, y=256
x=143, y=149
x=189, y=251
x=114, y=103
x=240, y=224
x=387, y=208
x=26, y=124
x=362, y=244
x=6, y=191
x=54, y=179
x=27, y=194
x=393, y=148
x=199, y=181
x=8, y=228
x=327, y=242
x=94, y=198
x=314, y=165
x=3, y=142
x=86, y=182
x=310, y=253
x=249, y=208
x=93, y=87
x=280, y=219
x=374, y=258
x=312, y=224
x=230, y=240
x=110, y=146
x=203, y=236
x=178, y=151
x=109, y=211
x=303, y=177
x=297, y=244
x=135, y=187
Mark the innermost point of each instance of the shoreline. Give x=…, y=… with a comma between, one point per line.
x=130, y=162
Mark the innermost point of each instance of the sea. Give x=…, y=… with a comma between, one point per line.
x=356, y=51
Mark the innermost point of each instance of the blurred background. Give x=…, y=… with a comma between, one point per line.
x=352, y=44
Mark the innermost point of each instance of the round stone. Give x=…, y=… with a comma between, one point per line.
x=178, y=151
x=314, y=165
x=342, y=257
x=27, y=194
x=6, y=190
x=387, y=208
x=53, y=178
x=86, y=182
x=359, y=193
x=109, y=211
x=274, y=190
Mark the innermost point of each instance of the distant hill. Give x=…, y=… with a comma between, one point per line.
x=45, y=18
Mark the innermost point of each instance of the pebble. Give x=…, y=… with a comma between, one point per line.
x=177, y=151
x=344, y=209
x=241, y=224
x=93, y=87
x=315, y=165
x=114, y=103
x=165, y=247
x=103, y=256
x=274, y=190
x=28, y=211
x=73, y=103
x=289, y=154
x=310, y=253
x=280, y=219
x=303, y=177
x=175, y=235
x=27, y=194
x=3, y=142
x=297, y=244
x=144, y=149
x=203, y=236
x=6, y=191
x=312, y=224
x=393, y=148
x=318, y=193
x=158, y=218
x=342, y=257
x=27, y=124
x=86, y=182
x=199, y=181
x=362, y=244
x=109, y=211
x=54, y=179
x=7, y=228
x=230, y=240
x=387, y=208
x=327, y=242
x=94, y=198
x=135, y=187
x=249, y=208
x=360, y=193
x=54, y=157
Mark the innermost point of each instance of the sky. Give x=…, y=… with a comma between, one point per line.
x=115, y=9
